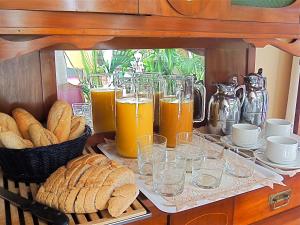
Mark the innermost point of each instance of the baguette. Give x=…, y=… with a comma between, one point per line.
x=59, y=120
x=77, y=127
x=7, y=123
x=41, y=136
x=24, y=119
x=13, y=141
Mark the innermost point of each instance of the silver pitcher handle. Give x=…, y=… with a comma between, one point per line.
x=202, y=91
x=244, y=92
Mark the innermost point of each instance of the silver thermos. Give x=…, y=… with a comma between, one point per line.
x=255, y=106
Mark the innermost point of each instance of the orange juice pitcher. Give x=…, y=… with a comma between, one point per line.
x=155, y=79
x=134, y=114
x=103, y=103
x=176, y=107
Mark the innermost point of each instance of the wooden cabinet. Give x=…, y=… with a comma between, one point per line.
x=223, y=10
x=105, y=6
x=255, y=206
x=218, y=213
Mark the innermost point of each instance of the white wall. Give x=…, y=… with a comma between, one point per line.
x=276, y=66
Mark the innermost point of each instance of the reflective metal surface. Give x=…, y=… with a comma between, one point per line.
x=224, y=108
x=255, y=106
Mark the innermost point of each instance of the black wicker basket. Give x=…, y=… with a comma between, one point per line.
x=36, y=164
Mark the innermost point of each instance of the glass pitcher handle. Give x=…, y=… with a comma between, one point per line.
x=202, y=91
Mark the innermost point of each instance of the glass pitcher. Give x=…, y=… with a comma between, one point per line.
x=176, y=106
x=103, y=102
x=134, y=113
x=155, y=79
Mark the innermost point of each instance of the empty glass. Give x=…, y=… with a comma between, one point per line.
x=168, y=171
x=208, y=172
x=83, y=109
x=189, y=144
x=146, y=145
x=211, y=145
x=237, y=165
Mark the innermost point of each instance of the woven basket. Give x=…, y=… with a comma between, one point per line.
x=36, y=164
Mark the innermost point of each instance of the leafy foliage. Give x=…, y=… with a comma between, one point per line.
x=164, y=61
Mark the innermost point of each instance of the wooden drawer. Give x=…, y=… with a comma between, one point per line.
x=111, y=6
x=254, y=206
x=218, y=213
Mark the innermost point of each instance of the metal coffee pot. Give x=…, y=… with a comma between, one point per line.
x=255, y=106
x=224, y=108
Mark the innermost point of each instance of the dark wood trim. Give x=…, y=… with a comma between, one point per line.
x=48, y=78
x=297, y=112
x=251, y=54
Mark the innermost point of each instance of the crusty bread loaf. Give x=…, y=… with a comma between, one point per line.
x=86, y=184
x=115, y=179
x=77, y=127
x=24, y=119
x=3, y=129
x=41, y=136
x=122, y=198
x=7, y=123
x=11, y=140
x=59, y=120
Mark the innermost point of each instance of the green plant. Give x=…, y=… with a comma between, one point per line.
x=173, y=61
x=164, y=61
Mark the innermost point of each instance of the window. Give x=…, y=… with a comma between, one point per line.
x=74, y=68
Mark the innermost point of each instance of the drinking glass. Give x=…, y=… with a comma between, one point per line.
x=176, y=106
x=103, y=102
x=211, y=145
x=189, y=143
x=147, y=144
x=134, y=113
x=237, y=165
x=169, y=167
x=83, y=109
x=208, y=172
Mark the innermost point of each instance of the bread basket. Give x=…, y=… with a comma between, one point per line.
x=36, y=164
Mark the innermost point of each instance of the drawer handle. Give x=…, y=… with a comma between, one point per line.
x=279, y=200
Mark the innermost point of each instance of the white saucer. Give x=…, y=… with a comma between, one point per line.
x=263, y=158
x=228, y=140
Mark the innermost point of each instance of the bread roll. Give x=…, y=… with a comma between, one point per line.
x=24, y=119
x=7, y=123
x=122, y=198
x=2, y=129
x=41, y=136
x=13, y=141
x=59, y=120
x=77, y=127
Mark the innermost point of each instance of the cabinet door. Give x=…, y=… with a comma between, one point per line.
x=106, y=6
x=260, y=204
x=237, y=10
x=217, y=213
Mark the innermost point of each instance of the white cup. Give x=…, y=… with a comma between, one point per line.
x=245, y=135
x=281, y=150
x=278, y=127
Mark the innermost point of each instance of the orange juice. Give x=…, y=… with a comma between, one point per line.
x=132, y=121
x=103, y=109
x=173, y=121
